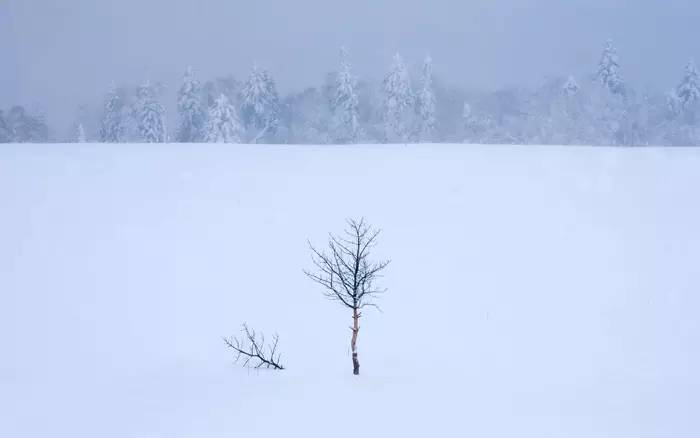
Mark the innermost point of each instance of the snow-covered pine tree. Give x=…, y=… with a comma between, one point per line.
x=346, y=103
x=608, y=74
x=426, y=103
x=571, y=87
x=150, y=116
x=113, y=126
x=398, y=100
x=189, y=105
x=611, y=103
x=688, y=91
x=222, y=125
x=260, y=105
x=80, y=134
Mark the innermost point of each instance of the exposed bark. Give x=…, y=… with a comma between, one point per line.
x=353, y=342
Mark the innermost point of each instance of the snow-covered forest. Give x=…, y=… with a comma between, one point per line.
x=600, y=108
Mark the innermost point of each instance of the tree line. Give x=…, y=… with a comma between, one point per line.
x=600, y=109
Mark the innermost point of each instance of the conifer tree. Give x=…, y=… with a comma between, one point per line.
x=150, y=116
x=260, y=104
x=189, y=105
x=426, y=102
x=223, y=125
x=113, y=127
x=398, y=99
x=608, y=74
x=345, y=103
x=688, y=91
x=477, y=128
x=673, y=104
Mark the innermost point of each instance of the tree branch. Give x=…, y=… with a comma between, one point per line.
x=250, y=351
x=345, y=271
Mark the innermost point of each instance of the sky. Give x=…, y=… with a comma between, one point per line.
x=59, y=54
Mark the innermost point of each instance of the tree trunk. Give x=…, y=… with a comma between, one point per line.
x=353, y=343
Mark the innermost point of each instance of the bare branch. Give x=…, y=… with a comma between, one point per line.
x=345, y=271
x=250, y=351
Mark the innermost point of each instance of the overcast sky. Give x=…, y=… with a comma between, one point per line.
x=61, y=53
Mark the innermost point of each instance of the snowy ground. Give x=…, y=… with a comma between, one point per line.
x=534, y=292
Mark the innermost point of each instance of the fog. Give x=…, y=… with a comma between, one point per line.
x=60, y=54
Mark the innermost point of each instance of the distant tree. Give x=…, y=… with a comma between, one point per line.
x=227, y=85
x=345, y=104
x=189, y=105
x=571, y=87
x=426, y=103
x=673, y=104
x=607, y=114
x=26, y=128
x=222, y=125
x=572, y=121
x=680, y=124
x=260, y=105
x=688, y=91
x=113, y=126
x=477, y=127
x=621, y=122
x=612, y=106
x=398, y=100
x=448, y=114
x=554, y=110
x=636, y=127
x=150, y=115
x=608, y=74
x=80, y=134
x=309, y=117
x=5, y=134
x=348, y=274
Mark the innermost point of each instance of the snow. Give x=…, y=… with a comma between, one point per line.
x=533, y=291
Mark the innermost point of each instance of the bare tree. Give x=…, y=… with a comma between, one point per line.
x=348, y=275
x=252, y=352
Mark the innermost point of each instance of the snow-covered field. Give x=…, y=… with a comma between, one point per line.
x=534, y=291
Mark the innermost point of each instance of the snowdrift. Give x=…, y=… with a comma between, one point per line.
x=533, y=291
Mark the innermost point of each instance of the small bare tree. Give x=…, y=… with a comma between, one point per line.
x=348, y=275
x=252, y=352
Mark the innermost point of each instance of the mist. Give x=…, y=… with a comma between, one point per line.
x=59, y=55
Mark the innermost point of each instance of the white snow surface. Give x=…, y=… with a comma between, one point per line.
x=533, y=291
